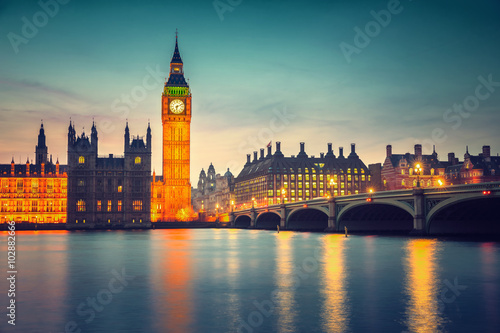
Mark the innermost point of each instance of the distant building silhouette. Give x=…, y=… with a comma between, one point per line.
x=214, y=193
x=481, y=168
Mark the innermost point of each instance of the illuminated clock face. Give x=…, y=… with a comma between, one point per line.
x=177, y=106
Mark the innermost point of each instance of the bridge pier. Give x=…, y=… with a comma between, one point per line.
x=252, y=218
x=231, y=219
x=419, y=217
x=332, y=218
x=283, y=217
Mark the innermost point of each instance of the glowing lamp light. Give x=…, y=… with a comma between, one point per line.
x=368, y=199
x=440, y=182
x=305, y=206
x=486, y=192
x=370, y=190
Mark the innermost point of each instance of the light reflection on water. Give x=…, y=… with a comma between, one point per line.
x=284, y=276
x=210, y=280
x=422, y=286
x=335, y=312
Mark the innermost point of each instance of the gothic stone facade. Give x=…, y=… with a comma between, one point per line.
x=108, y=192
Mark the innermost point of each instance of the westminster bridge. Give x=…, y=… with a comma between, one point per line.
x=459, y=209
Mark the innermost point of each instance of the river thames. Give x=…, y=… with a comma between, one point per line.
x=230, y=280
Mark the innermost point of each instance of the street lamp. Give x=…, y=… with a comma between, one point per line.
x=232, y=205
x=332, y=183
x=253, y=202
x=283, y=193
x=418, y=170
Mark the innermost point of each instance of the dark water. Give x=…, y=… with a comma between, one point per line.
x=251, y=281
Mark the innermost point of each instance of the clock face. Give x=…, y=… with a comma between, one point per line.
x=176, y=106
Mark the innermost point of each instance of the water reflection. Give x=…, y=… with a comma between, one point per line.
x=489, y=270
x=422, y=311
x=233, y=279
x=286, y=307
x=175, y=291
x=335, y=311
x=42, y=264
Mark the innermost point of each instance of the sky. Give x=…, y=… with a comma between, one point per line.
x=367, y=72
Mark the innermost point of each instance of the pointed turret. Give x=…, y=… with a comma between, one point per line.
x=41, y=148
x=93, y=135
x=176, y=77
x=126, y=138
x=148, y=138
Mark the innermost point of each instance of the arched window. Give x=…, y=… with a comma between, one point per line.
x=81, y=159
x=403, y=182
x=137, y=160
x=80, y=206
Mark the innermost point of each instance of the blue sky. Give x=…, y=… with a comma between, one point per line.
x=262, y=60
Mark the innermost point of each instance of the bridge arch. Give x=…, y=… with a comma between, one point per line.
x=308, y=218
x=242, y=221
x=381, y=215
x=472, y=213
x=268, y=220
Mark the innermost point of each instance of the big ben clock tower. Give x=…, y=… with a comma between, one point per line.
x=176, y=120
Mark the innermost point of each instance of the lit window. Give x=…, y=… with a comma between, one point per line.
x=80, y=206
x=109, y=205
x=119, y=205
x=137, y=205
x=98, y=205
x=81, y=159
x=120, y=188
x=137, y=160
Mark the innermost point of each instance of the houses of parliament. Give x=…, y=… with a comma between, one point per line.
x=113, y=191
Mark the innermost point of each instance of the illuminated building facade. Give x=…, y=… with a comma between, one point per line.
x=474, y=169
x=398, y=170
x=171, y=194
x=214, y=192
x=112, y=191
x=34, y=193
x=272, y=178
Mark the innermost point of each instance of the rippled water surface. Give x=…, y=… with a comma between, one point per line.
x=219, y=280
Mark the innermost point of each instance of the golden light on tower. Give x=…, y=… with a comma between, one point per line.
x=175, y=188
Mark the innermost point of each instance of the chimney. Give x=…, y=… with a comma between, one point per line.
x=254, y=156
x=322, y=155
x=329, y=148
x=388, y=149
x=486, y=151
x=451, y=158
x=278, y=146
x=418, y=150
x=261, y=153
x=341, y=151
x=353, y=148
x=248, y=158
x=269, y=151
x=302, y=147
